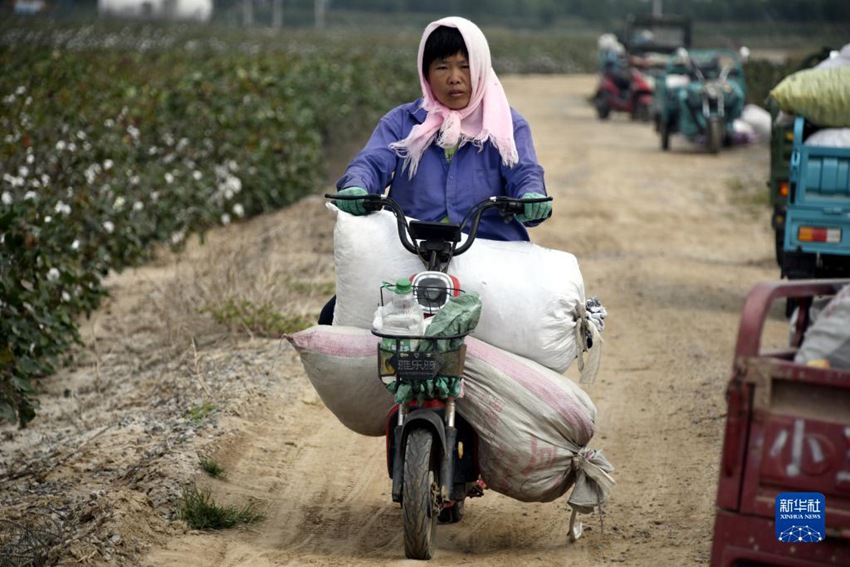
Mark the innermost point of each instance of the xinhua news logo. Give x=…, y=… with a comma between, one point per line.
x=800, y=517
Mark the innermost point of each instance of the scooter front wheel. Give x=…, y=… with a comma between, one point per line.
x=418, y=495
x=602, y=108
x=715, y=134
x=665, y=135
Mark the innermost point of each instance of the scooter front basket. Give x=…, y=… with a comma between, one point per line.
x=404, y=366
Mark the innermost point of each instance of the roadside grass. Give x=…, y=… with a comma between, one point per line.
x=197, y=413
x=198, y=509
x=212, y=468
x=750, y=197
x=259, y=320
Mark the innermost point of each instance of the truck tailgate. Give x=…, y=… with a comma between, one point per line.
x=818, y=215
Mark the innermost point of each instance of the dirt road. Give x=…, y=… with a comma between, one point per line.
x=670, y=242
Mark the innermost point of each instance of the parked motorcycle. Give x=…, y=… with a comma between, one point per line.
x=431, y=449
x=701, y=97
x=630, y=93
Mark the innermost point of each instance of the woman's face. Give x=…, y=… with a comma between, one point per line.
x=450, y=81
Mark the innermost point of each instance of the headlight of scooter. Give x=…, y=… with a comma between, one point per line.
x=433, y=290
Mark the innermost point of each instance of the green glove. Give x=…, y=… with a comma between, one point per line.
x=535, y=211
x=352, y=206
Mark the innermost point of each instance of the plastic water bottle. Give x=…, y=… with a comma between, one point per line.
x=401, y=316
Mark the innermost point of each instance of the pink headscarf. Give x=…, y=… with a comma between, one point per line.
x=487, y=117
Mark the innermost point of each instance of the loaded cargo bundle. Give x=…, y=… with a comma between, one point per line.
x=821, y=94
x=827, y=340
x=533, y=297
x=534, y=424
x=340, y=363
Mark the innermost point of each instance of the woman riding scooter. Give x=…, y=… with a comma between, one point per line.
x=458, y=144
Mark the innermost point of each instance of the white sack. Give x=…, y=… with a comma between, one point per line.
x=533, y=423
x=759, y=119
x=341, y=363
x=837, y=59
x=532, y=296
x=743, y=129
x=674, y=81
x=829, y=138
x=828, y=337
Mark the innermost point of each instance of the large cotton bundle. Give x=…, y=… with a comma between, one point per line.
x=341, y=364
x=534, y=425
x=822, y=95
x=533, y=297
x=828, y=337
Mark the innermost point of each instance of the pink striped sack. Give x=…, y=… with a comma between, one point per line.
x=341, y=364
x=534, y=426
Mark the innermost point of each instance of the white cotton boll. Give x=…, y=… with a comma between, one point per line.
x=6, y=198
x=233, y=184
x=225, y=219
x=238, y=210
x=108, y=227
x=52, y=275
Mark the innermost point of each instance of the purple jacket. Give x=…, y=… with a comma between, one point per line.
x=446, y=189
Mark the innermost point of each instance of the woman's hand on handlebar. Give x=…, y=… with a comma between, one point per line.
x=536, y=209
x=353, y=205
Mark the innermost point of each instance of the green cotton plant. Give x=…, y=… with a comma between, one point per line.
x=110, y=148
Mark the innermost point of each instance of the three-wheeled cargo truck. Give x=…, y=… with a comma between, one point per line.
x=781, y=142
x=787, y=431
x=817, y=212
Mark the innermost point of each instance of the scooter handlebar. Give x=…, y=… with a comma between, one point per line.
x=507, y=207
x=372, y=202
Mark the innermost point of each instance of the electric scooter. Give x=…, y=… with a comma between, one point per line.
x=431, y=449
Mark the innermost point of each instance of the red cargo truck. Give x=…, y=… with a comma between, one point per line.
x=787, y=431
